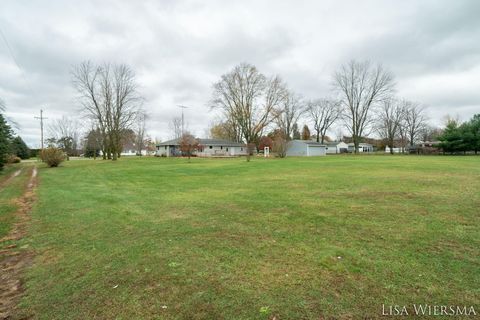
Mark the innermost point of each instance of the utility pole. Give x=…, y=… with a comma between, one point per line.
x=41, y=118
x=183, y=107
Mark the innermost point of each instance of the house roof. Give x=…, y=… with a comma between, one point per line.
x=310, y=143
x=334, y=143
x=351, y=144
x=207, y=142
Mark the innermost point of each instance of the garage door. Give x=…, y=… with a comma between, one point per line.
x=316, y=151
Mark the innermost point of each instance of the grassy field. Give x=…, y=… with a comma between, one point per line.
x=297, y=238
x=10, y=189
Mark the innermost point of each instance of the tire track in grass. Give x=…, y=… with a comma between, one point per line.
x=10, y=178
x=13, y=260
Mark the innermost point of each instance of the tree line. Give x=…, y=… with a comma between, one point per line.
x=362, y=99
x=461, y=137
x=109, y=101
x=253, y=106
x=12, y=147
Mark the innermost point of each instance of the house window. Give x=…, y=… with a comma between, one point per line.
x=210, y=147
x=165, y=147
x=227, y=149
x=241, y=149
x=221, y=147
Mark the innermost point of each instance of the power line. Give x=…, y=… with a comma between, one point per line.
x=10, y=51
x=41, y=118
x=15, y=60
x=23, y=75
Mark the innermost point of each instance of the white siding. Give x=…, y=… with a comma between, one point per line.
x=300, y=148
x=395, y=150
x=337, y=148
x=316, y=150
x=222, y=151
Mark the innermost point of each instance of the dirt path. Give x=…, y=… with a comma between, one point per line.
x=13, y=260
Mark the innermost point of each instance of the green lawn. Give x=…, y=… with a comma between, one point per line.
x=295, y=238
x=10, y=189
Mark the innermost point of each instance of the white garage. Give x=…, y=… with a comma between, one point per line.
x=305, y=148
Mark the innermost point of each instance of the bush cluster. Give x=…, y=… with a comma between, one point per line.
x=13, y=159
x=52, y=156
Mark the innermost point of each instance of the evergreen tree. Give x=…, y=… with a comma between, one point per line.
x=19, y=148
x=461, y=137
x=475, y=130
x=451, y=139
x=5, y=140
x=305, y=133
x=295, y=132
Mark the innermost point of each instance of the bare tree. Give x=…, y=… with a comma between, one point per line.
x=227, y=130
x=292, y=109
x=339, y=134
x=415, y=120
x=361, y=87
x=280, y=143
x=108, y=95
x=403, y=134
x=124, y=105
x=175, y=127
x=249, y=99
x=430, y=133
x=66, y=133
x=140, y=125
x=390, y=121
x=323, y=113
x=150, y=145
x=86, y=80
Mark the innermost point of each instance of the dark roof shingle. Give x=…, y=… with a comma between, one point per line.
x=208, y=142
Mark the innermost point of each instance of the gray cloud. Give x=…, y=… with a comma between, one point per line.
x=180, y=48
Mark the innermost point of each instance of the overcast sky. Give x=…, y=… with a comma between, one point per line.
x=178, y=49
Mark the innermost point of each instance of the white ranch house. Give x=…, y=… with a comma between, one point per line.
x=208, y=148
x=362, y=147
x=305, y=148
x=131, y=152
x=395, y=150
x=334, y=147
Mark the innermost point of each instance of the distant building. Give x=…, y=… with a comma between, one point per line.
x=131, y=152
x=425, y=147
x=377, y=144
x=395, y=150
x=305, y=148
x=336, y=147
x=208, y=148
x=428, y=143
x=362, y=147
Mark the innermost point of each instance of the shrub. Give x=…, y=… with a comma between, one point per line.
x=52, y=156
x=13, y=159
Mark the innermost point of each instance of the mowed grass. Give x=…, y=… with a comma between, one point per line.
x=295, y=238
